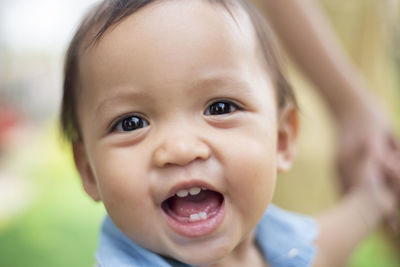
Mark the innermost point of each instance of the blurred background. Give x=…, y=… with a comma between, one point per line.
x=46, y=219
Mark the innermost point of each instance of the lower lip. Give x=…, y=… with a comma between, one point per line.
x=199, y=228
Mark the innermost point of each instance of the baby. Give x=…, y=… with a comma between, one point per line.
x=180, y=119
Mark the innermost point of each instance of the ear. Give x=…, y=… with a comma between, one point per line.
x=85, y=171
x=288, y=128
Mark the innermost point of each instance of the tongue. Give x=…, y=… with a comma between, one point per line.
x=206, y=201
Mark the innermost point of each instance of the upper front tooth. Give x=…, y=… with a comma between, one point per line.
x=182, y=193
x=194, y=191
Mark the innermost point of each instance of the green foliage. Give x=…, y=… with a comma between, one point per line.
x=61, y=226
x=375, y=251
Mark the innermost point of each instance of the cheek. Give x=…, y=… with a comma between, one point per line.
x=125, y=192
x=121, y=181
x=252, y=176
x=254, y=181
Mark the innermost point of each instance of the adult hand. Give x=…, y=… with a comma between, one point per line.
x=367, y=143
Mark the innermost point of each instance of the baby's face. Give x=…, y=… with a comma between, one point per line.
x=179, y=126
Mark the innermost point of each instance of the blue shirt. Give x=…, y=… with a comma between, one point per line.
x=285, y=239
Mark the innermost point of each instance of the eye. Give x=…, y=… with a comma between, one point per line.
x=129, y=123
x=221, y=107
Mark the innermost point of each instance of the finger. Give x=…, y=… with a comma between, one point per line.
x=396, y=162
x=348, y=174
x=348, y=166
x=392, y=178
x=393, y=143
x=344, y=178
x=376, y=147
x=391, y=170
x=393, y=225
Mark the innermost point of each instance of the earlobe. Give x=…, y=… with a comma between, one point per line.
x=85, y=171
x=288, y=127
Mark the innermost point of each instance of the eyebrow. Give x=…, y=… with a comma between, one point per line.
x=121, y=95
x=229, y=84
x=226, y=82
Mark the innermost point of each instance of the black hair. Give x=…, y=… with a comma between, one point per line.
x=109, y=13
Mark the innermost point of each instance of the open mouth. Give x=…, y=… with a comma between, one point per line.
x=194, y=212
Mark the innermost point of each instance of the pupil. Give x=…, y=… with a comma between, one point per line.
x=220, y=108
x=132, y=123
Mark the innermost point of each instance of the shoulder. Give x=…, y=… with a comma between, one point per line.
x=287, y=238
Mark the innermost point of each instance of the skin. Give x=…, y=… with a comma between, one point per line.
x=167, y=64
x=365, y=138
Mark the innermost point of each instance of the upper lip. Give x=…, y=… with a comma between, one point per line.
x=187, y=185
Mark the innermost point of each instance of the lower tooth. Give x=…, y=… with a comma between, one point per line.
x=198, y=216
x=194, y=217
x=203, y=215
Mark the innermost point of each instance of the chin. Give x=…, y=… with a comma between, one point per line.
x=199, y=260
x=204, y=255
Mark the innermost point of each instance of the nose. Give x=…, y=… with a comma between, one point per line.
x=181, y=149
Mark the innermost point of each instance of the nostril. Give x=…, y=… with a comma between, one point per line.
x=180, y=151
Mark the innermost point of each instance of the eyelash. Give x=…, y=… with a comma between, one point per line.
x=135, y=122
x=127, y=121
x=227, y=107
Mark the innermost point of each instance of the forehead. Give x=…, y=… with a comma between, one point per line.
x=168, y=40
x=176, y=15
